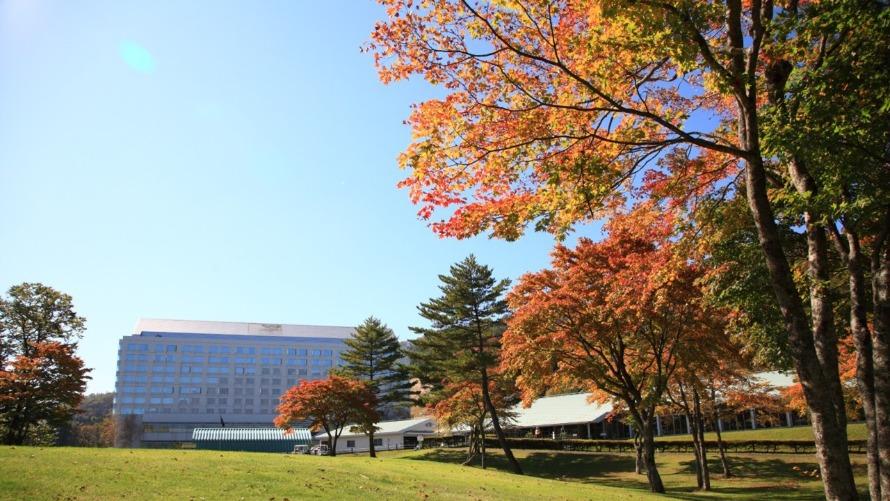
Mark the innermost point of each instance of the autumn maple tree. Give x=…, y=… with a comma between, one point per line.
x=615, y=317
x=552, y=109
x=461, y=405
x=44, y=386
x=42, y=380
x=329, y=404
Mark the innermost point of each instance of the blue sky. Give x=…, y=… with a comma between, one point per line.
x=213, y=161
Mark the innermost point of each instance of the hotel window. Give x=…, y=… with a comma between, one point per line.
x=247, y=350
x=271, y=351
x=137, y=357
x=191, y=348
x=270, y=361
x=296, y=352
x=321, y=363
x=137, y=347
x=218, y=360
x=218, y=349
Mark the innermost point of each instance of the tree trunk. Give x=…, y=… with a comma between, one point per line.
x=881, y=355
x=331, y=444
x=699, y=431
x=727, y=472
x=821, y=309
x=830, y=438
x=496, y=424
x=371, y=452
x=648, y=440
x=696, y=449
x=482, y=444
x=638, y=447
x=864, y=362
x=472, y=447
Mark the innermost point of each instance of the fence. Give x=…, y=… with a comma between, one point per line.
x=733, y=446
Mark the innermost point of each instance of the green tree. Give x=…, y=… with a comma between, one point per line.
x=41, y=379
x=463, y=342
x=374, y=356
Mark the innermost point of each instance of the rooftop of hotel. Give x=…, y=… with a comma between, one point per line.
x=157, y=325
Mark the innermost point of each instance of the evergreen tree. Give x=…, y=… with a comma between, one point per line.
x=462, y=344
x=374, y=356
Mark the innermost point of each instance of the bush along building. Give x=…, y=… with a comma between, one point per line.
x=175, y=376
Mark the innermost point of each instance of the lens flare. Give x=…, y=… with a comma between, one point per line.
x=137, y=57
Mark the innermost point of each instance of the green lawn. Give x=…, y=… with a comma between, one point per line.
x=855, y=431
x=71, y=473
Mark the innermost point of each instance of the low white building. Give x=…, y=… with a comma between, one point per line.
x=391, y=435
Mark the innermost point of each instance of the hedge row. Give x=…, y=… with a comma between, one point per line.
x=753, y=446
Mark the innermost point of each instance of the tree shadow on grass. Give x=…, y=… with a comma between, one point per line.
x=780, y=479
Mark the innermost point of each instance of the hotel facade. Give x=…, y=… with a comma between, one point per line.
x=174, y=375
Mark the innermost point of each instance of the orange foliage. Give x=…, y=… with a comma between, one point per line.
x=46, y=384
x=615, y=317
x=328, y=404
x=551, y=107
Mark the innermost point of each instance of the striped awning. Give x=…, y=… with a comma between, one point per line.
x=252, y=434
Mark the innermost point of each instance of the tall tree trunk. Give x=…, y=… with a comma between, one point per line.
x=648, y=440
x=864, y=362
x=371, y=452
x=821, y=301
x=881, y=345
x=496, y=424
x=699, y=431
x=638, y=448
x=829, y=436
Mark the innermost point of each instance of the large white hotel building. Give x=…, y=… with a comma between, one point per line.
x=176, y=375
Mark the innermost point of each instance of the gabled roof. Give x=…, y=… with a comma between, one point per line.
x=392, y=427
x=572, y=408
x=251, y=434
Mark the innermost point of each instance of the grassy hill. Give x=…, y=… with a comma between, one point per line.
x=81, y=473
x=72, y=473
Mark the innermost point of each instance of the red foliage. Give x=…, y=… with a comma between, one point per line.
x=329, y=404
x=45, y=385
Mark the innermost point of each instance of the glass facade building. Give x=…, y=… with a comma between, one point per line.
x=174, y=376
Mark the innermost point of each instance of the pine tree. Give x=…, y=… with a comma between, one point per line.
x=374, y=356
x=462, y=344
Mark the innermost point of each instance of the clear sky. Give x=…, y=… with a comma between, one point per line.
x=213, y=160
